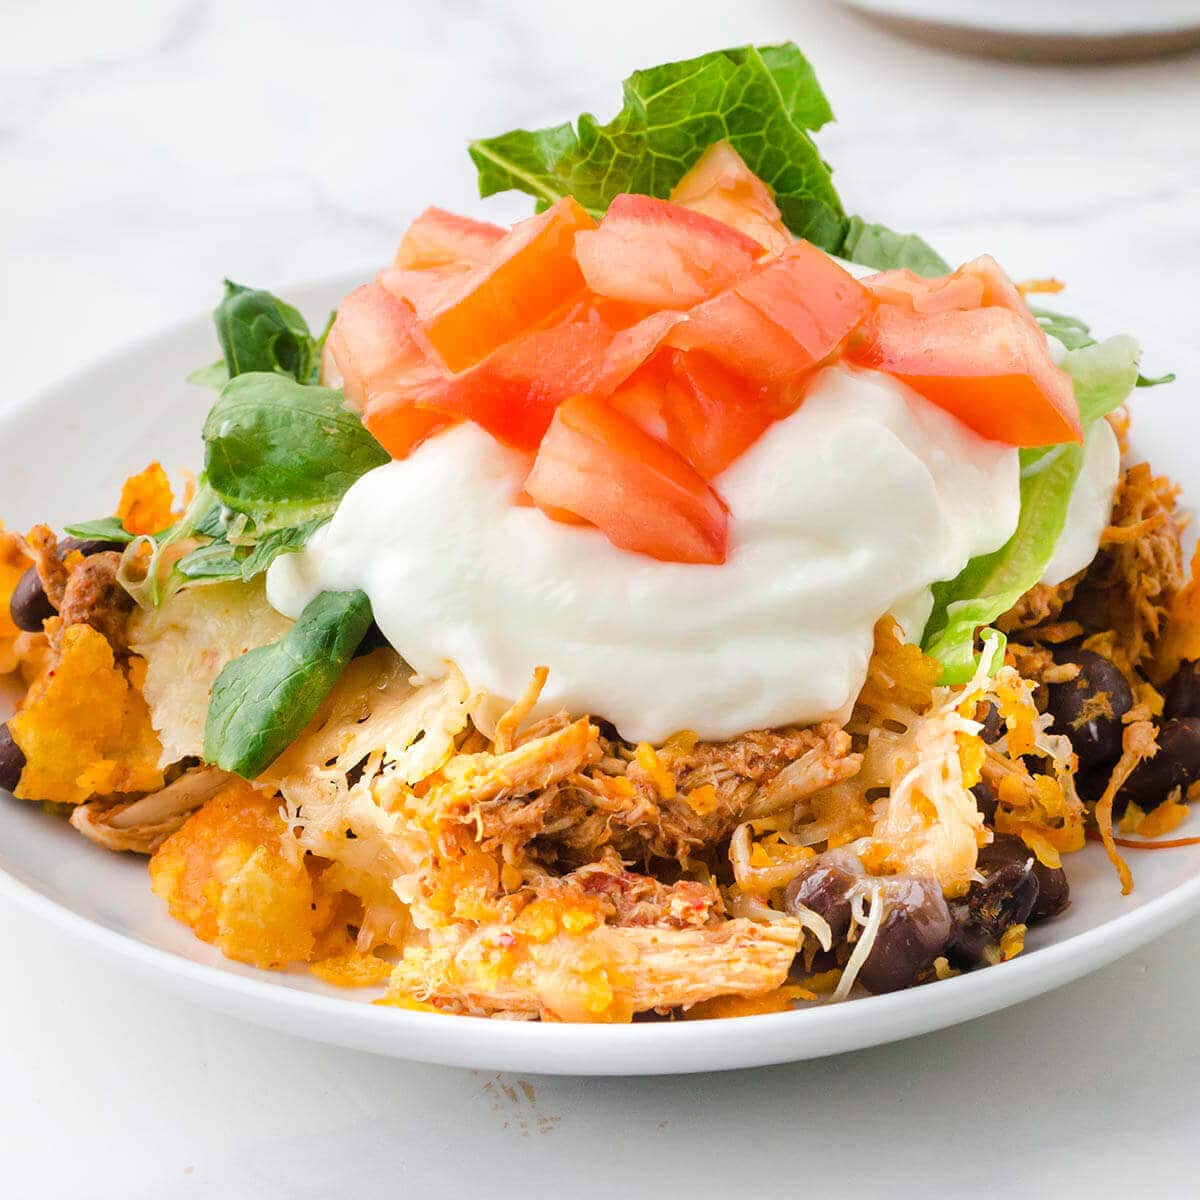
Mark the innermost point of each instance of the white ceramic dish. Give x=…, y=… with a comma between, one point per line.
x=1098, y=30
x=133, y=407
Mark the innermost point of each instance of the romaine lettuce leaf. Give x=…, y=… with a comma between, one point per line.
x=989, y=585
x=764, y=100
x=873, y=245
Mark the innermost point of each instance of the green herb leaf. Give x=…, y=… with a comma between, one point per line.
x=763, y=100
x=991, y=584
x=1149, y=381
x=215, y=375
x=106, y=529
x=282, y=453
x=262, y=700
x=220, y=560
x=878, y=246
x=1071, y=331
x=260, y=332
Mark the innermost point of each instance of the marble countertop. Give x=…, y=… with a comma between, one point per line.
x=148, y=149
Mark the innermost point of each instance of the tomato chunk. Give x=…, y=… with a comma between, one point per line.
x=524, y=279
x=598, y=464
x=721, y=186
x=984, y=365
x=980, y=283
x=513, y=393
x=696, y=406
x=649, y=251
x=386, y=366
x=785, y=318
x=438, y=238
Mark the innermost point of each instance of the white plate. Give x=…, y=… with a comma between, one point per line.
x=1035, y=29
x=63, y=456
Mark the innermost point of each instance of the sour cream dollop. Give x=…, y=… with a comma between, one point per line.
x=846, y=510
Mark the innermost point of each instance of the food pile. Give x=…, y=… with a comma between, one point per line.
x=306, y=799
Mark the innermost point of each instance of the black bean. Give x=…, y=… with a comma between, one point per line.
x=993, y=727
x=29, y=606
x=1182, y=695
x=822, y=888
x=1053, y=890
x=12, y=760
x=1176, y=765
x=916, y=926
x=1088, y=709
x=986, y=800
x=1008, y=895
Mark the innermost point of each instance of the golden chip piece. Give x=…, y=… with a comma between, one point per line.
x=228, y=875
x=84, y=730
x=13, y=562
x=146, y=500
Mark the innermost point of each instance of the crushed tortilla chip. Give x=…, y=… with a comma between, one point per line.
x=13, y=563
x=84, y=729
x=1168, y=816
x=227, y=873
x=146, y=501
x=354, y=969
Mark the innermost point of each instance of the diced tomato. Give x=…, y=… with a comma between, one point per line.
x=981, y=283
x=425, y=290
x=527, y=276
x=721, y=186
x=697, y=407
x=513, y=393
x=785, y=318
x=984, y=365
x=386, y=366
x=598, y=464
x=649, y=251
x=437, y=238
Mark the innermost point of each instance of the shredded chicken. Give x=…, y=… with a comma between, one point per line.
x=43, y=545
x=602, y=973
x=1139, y=571
x=141, y=826
x=1042, y=603
x=94, y=596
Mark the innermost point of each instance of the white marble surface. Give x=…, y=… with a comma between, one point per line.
x=146, y=149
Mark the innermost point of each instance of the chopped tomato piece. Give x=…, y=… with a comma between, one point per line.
x=649, y=251
x=981, y=283
x=721, y=186
x=386, y=366
x=437, y=238
x=513, y=393
x=527, y=276
x=598, y=464
x=424, y=290
x=785, y=318
x=984, y=365
x=695, y=405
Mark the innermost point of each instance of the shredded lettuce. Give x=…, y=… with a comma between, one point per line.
x=990, y=584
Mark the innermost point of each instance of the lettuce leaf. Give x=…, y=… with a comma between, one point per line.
x=874, y=245
x=990, y=584
x=764, y=100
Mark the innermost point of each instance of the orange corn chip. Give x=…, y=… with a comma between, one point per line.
x=84, y=730
x=146, y=501
x=228, y=875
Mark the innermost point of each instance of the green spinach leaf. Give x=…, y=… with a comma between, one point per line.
x=283, y=453
x=221, y=559
x=764, y=100
x=262, y=700
x=260, y=332
x=106, y=529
